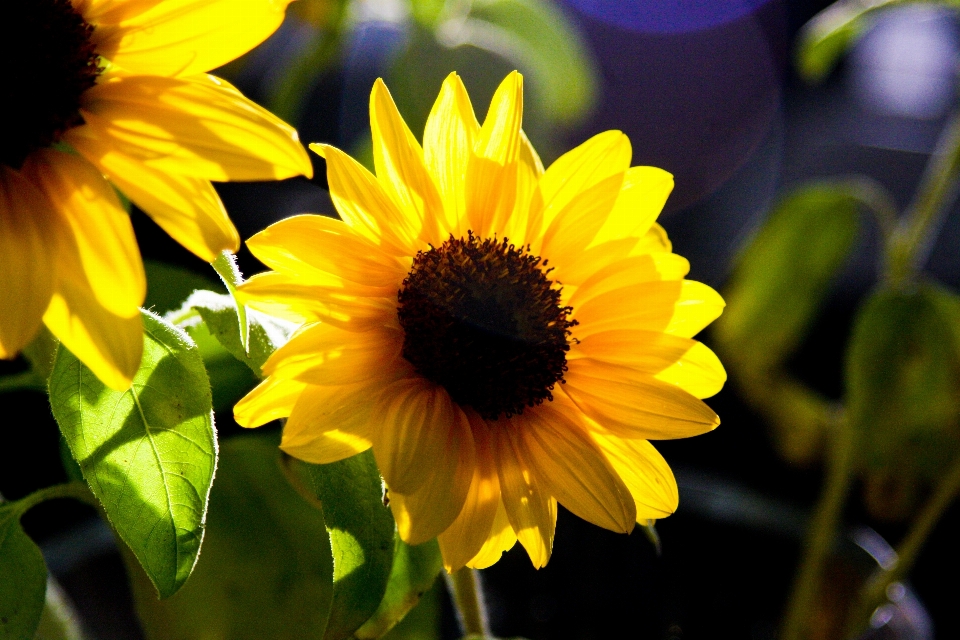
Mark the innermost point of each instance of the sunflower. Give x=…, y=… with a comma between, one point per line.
x=504, y=337
x=105, y=94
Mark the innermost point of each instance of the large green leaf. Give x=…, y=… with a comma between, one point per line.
x=219, y=314
x=362, y=532
x=168, y=285
x=784, y=273
x=148, y=453
x=903, y=380
x=23, y=579
x=266, y=571
x=414, y=571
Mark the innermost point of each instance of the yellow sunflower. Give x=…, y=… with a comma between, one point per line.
x=115, y=90
x=504, y=337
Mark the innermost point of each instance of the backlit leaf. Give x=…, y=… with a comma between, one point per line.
x=23, y=579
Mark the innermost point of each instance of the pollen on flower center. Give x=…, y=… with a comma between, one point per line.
x=482, y=319
x=51, y=61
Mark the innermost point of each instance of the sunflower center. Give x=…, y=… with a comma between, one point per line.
x=482, y=319
x=48, y=50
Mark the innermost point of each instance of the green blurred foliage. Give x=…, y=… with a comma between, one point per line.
x=903, y=392
x=24, y=578
x=266, y=570
x=147, y=453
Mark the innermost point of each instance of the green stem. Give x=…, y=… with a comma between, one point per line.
x=464, y=587
x=875, y=591
x=908, y=245
x=225, y=265
x=20, y=381
x=76, y=490
x=823, y=530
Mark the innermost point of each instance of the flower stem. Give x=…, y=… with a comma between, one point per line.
x=875, y=591
x=464, y=585
x=77, y=490
x=823, y=529
x=27, y=380
x=912, y=240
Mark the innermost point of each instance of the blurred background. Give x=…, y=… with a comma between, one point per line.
x=707, y=91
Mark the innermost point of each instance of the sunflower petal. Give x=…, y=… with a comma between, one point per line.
x=491, y=177
x=698, y=372
x=466, y=536
x=328, y=424
x=364, y=204
x=448, y=142
x=647, y=351
x=184, y=37
x=500, y=539
x=187, y=208
x=270, y=400
x=570, y=467
x=414, y=419
x=600, y=157
x=531, y=510
x=576, y=224
x=199, y=126
x=398, y=159
x=27, y=260
x=100, y=232
x=110, y=345
x=426, y=513
x=524, y=223
x=635, y=405
x=305, y=245
x=642, y=196
x=322, y=354
x=645, y=473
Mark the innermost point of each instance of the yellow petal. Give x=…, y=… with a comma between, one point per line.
x=575, y=225
x=647, y=351
x=104, y=13
x=653, y=240
x=698, y=372
x=466, y=536
x=305, y=245
x=500, y=539
x=187, y=208
x=322, y=354
x=603, y=275
x=644, y=192
x=414, y=418
x=698, y=306
x=635, y=405
x=431, y=509
x=600, y=157
x=570, y=467
x=644, y=471
x=491, y=177
x=27, y=260
x=199, y=126
x=328, y=424
x=448, y=141
x=110, y=345
x=364, y=204
x=531, y=510
x=524, y=223
x=184, y=37
x=270, y=400
x=288, y=297
x=399, y=163
x=100, y=233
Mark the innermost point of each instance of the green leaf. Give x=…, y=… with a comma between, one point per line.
x=362, y=532
x=423, y=622
x=168, y=286
x=219, y=313
x=828, y=35
x=226, y=267
x=903, y=380
x=230, y=379
x=148, y=453
x=784, y=273
x=414, y=571
x=23, y=579
x=266, y=572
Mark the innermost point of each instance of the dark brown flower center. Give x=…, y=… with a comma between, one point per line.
x=482, y=319
x=47, y=48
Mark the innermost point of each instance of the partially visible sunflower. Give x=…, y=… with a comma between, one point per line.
x=99, y=90
x=504, y=337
